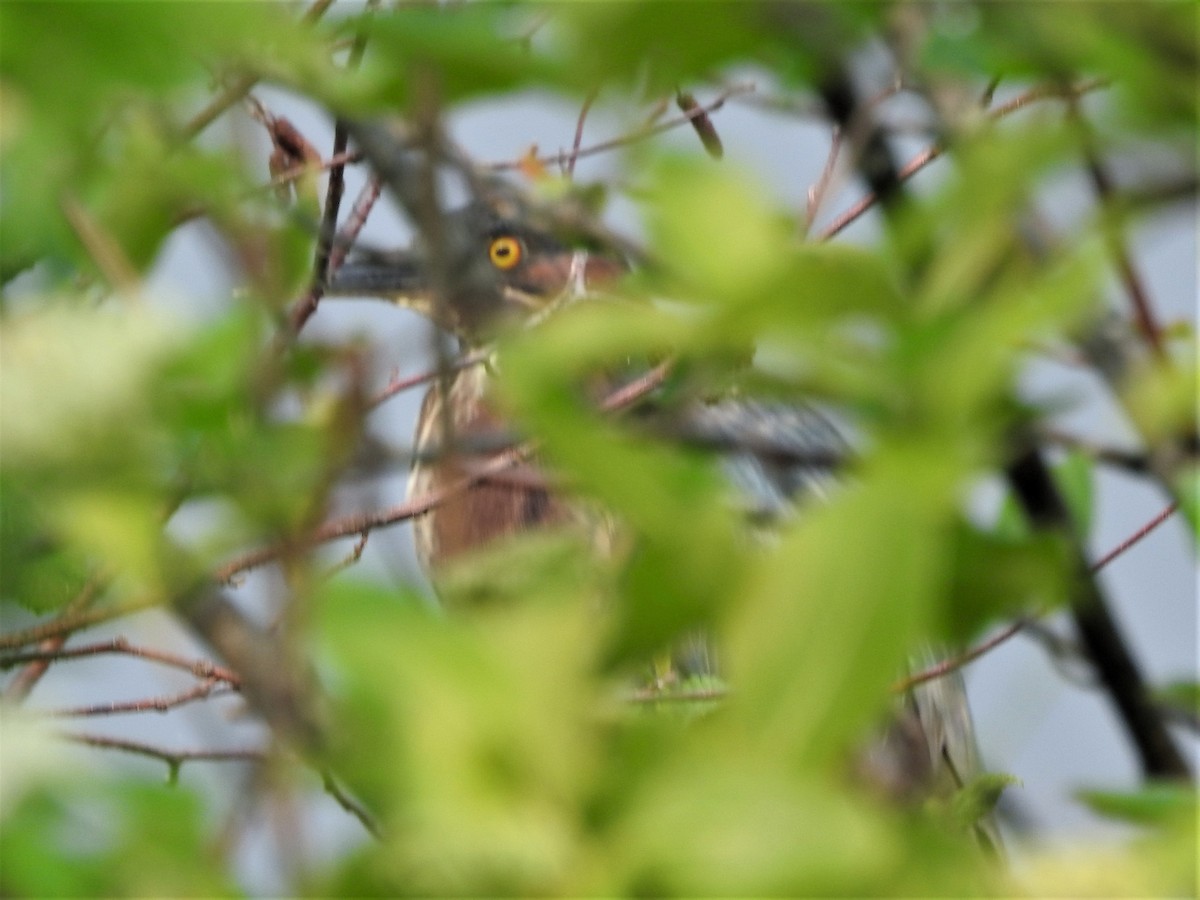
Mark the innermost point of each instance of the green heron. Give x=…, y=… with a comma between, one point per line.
x=513, y=272
x=774, y=453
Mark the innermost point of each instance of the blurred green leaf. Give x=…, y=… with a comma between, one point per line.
x=1183, y=695
x=75, y=386
x=998, y=576
x=451, y=53
x=486, y=721
x=1154, y=803
x=1162, y=401
x=36, y=570
x=685, y=551
x=127, y=838
x=828, y=618
x=1187, y=489
x=1074, y=477
x=1151, y=47
x=743, y=824
x=977, y=800
x=124, y=62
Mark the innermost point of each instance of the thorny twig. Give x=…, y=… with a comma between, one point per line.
x=203, y=691
x=200, y=668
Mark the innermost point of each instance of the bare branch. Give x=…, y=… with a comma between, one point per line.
x=212, y=688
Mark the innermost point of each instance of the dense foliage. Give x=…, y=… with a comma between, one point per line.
x=499, y=750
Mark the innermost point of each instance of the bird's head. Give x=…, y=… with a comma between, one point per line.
x=481, y=270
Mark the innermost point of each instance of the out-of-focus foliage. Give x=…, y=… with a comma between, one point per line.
x=497, y=747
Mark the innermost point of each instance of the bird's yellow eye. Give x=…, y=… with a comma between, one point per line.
x=504, y=252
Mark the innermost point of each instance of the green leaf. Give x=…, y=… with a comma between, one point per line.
x=977, y=799
x=451, y=53
x=128, y=838
x=75, y=385
x=1153, y=804
x=743, y=825
x=1187, y=489
x=1151, y=46
x=827, y=619
x=686, y=553
x=663, y=42
x=997, y=576
x=36, y=570
x=1075, y=479
x=484, y=721
x=1184, y=695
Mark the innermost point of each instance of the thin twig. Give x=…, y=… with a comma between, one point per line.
x=955, y=663
x=583, y=112
x=200, y=668
x=359, y=524
x=67, y=623
x=329, y=254
x=1135, y=537
x=641, y=134
x=638, y=388
x=289, y=175
x=105, y=252
x=353, y=557
x=816, y=193
x=399, y=385
x=173, y=758
x=212, y=688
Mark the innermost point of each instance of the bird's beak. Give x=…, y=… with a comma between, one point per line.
x=399, y=277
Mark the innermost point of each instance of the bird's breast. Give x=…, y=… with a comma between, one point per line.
x=459, y=436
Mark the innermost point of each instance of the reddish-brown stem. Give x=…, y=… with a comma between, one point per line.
x=399, y=385
x=200, y=668
x=154, y=704
x=173, y=758
x=583, y=112
x=1135, y=537
x=954, y=663
x=816, y=193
